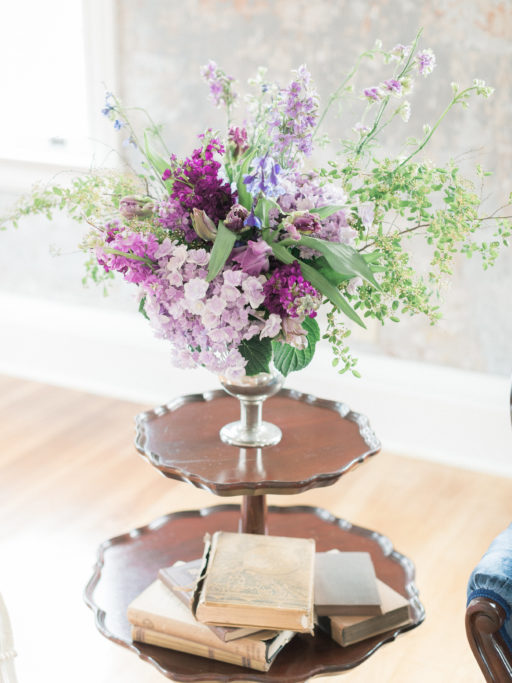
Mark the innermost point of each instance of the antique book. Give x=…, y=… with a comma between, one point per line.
x=182, y=577
x=396, y=611
x=346, y=584
x=158, y=617
x=258, y=580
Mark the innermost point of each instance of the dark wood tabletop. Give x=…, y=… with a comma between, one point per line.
x=322, y=440
x=128, y=563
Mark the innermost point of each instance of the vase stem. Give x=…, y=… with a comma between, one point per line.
x=251, y=431
x=250, y=415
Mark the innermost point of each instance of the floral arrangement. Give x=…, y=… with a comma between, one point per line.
x=234, y=249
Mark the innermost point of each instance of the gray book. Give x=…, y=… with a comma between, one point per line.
x=346, y=584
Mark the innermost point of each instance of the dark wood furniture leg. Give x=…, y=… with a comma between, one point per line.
x=484, y=618
x=254, y=515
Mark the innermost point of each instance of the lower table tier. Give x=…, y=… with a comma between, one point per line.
x=128, y=563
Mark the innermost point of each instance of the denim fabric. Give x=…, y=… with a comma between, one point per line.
x=492, y=578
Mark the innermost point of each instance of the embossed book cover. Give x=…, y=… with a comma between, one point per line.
x=182, y=577
x=258, y=580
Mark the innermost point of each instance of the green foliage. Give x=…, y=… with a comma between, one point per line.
x=289, y=359
x=221, y=250
x=258, y=354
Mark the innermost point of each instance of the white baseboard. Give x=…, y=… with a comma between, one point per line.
x=443, y=414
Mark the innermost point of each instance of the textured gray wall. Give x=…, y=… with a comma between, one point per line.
x=162, y=43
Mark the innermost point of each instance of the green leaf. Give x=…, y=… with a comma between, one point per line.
x=289, y=359
x=244, y=198
x=221, y=250
x=342, y=258
x=319, y=282
x=142, y=309
x=258, y=353
x=323, y=285
x=326, y=211
x=158, y=162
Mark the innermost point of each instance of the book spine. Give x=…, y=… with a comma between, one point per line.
x=151, y=637
x=199, y=634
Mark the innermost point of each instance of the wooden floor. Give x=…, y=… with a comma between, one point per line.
x=71, y=478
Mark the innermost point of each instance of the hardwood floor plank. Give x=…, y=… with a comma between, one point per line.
x=70, y=478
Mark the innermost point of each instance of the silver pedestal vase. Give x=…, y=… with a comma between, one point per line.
x=251, y=431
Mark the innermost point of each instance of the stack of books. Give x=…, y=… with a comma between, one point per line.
x=247, y=597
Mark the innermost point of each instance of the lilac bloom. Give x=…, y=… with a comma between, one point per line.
x=254, y=258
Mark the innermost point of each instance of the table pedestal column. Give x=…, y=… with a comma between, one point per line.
x=254, y=515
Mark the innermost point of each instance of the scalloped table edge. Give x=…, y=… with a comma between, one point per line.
x=255, y=677
x=263, y=486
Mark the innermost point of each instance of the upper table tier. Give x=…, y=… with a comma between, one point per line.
x=322, y=440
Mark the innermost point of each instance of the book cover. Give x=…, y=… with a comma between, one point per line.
x=182, y=577
x=158, y=617
x=346, y=584
x=396, y=611
x=258, y=580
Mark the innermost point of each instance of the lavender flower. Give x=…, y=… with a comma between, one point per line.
x=254, y=258
x=264, y=178
x=393, y=87
x=426, y=62
x=373, y=94
x=293, y=118
x=221, y=85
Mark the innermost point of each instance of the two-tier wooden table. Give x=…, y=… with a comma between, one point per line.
x=322, y=440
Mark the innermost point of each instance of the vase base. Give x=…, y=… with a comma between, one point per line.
x=235, y=434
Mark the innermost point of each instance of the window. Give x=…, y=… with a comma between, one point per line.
x=54, y=70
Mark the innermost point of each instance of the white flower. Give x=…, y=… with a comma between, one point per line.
x=405, y=111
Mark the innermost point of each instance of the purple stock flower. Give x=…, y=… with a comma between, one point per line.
x=238, y=138
x=197, y=184
x=289, y=295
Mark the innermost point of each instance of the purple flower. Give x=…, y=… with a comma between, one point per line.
x=373, y=94
x=197, y=183
x=393, y=86
x=135, y=207
x=238, y=139
x=293, y=117
x=253, y=258
x=166, y=174
x=302, y=222
x=264, y=177
x=289, y=295
x=221, y=85
x=426, y=62
x=400, y=51
x=235, y=220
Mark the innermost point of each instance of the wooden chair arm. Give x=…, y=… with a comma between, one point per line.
x=484, y=618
